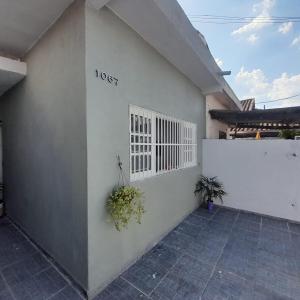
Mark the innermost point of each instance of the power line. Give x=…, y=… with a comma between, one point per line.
x=214, y=19
x=240, y=22
x=248, y=17
x=277, y=100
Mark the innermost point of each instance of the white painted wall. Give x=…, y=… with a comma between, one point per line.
x=213, y=127
x=259, y=176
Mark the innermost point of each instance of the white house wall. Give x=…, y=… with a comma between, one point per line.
x=259, y=176
x=44, y=138
x=147, y=80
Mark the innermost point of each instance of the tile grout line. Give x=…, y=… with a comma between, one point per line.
x=136, y=288
x=48, y=259
x=7, y=286
x=218, y=259
x=169, y=271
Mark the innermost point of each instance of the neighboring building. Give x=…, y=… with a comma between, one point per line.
x=267, y=122
x=216, y=129
x=266, y=130
x=94, y=72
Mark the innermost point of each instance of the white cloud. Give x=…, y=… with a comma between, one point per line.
x=285, y=27
x=296, y=41
x=264, y=8
x=252, y=39
x=219, y=62
x=255, y=84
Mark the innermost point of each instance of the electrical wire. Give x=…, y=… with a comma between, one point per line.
x=215, y=19
x=277, y=100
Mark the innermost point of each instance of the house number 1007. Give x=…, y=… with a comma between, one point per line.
x=106, y=77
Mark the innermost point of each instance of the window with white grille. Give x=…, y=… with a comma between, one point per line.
x=159, y=144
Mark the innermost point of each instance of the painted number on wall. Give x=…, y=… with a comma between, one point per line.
x=106, y=77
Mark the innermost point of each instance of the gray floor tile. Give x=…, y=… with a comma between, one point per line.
x=4, y=221
x=249, y=217
x=257, y=292
x=68, y=293
x=280, y=247
x=203, y=253
x=253, y=262
x=210, y=238
x=275, y=234
x=241, y=248
x=247, y=225
x=196, y=220
x=238, y=234
x=163, y=256
x=120, y=290
x=205, y=213
x=294, y=227
x=223, y=211
x=40, y=287
x=243, y=264
x=145, y=275
x=219, y=227
x=188, y=229
x=6, y=295
x=278, y=283
x=186, y=281
x=286, y=264
x=225, y=216
x=22, y=270
x=14, y=252
x=225, y=285
x=10, y=235
x=2, y=284
x=177, y=240
x=268, y=222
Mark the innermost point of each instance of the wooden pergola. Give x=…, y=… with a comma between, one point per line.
x=260, y=119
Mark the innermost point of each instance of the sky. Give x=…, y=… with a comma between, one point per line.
x=264, y=57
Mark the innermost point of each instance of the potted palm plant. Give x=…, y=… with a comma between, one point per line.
x=210, y=189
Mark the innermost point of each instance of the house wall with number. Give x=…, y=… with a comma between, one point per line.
x=147, y=85
x=106, y=80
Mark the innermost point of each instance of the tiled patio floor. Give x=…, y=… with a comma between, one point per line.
x=25, y=273
x=224, y=255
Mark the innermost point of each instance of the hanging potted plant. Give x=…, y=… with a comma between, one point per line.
x=125, y=202
x=210, y=189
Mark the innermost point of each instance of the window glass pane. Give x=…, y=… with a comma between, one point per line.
x=141, y=124
x=137, y=164
x=142, y=163
x=131, y=122
x=132, y=164
x=136, y=123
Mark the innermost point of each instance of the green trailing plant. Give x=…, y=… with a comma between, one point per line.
x=125, y=203
x=210, y=189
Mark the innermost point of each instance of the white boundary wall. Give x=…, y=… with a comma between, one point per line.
x=259, y=176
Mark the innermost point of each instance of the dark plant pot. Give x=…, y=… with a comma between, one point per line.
x=210, y=206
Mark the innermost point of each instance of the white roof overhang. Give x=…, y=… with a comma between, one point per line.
x=11, y=72
x=164, y=25
x=22, y=23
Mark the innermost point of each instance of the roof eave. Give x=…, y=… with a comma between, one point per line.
x=165, y=26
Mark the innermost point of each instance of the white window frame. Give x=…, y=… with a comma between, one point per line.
x=166, y=144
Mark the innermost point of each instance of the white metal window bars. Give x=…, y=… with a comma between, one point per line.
x=159, y=144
